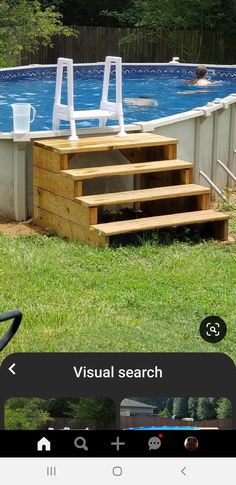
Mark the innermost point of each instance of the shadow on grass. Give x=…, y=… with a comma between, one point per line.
x=162, y=237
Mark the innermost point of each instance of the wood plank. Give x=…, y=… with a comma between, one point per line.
x=124, y=169
x=130, y=196
x=105, y=142
x=186, y=176
x=46, y=159
x=222, y=230
x=62, y=207
x=64, y=228
x=203, y=202
x=53, y=182
x=157, y=222
x=49, y=160
x=170, y=151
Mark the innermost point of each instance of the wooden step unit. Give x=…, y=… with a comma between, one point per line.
x=105, y=143
x=126, y=169
x=170, y=220
x=143, y=195
x=61, y=207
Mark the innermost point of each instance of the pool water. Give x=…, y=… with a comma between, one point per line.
x=171, y=94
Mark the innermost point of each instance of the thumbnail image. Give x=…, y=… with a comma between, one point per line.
x=176, y=413
x=59, y=413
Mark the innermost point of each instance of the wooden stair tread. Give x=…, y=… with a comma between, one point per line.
x=104, y=142
x=130, y=196
x=126, y=169
x=157, y=222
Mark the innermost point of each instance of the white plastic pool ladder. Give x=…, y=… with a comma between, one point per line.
x=108, y=109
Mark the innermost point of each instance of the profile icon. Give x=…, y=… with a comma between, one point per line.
x=191, y=443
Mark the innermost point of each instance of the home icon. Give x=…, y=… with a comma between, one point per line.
x=44, y=445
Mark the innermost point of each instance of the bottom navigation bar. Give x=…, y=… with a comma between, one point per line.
x=187, y=443
x=123, y=471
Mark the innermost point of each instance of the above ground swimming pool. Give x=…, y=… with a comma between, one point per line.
x=163, y=83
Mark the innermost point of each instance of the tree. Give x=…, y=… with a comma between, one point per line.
x=25, y=25
x=205, y=409
x=180, y=407
x=179, y=14
x=25, y=413
x=93, y=407
x=192, y=407
x=224, y=408
x=169, y=407
x=82, y=12
x=168, y=20
x=58, y=407
x=99, y=411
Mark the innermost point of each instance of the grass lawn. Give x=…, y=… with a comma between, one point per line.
x=149, y=297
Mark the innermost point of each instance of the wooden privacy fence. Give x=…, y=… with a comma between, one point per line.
x=136, y=422
x=94, y=43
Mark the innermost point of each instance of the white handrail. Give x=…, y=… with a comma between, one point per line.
x=108, y=109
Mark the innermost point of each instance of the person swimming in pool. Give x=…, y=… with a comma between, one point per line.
x=141, y=101
x=201, y=78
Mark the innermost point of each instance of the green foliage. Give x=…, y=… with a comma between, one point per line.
x=180, y=407
x=24, y=413
x=82, y=12
x=192, y=407
x=25, y=25
x=35, y=413
x=178, y=14
x=92, y=408
x=58, y=407
x=167, y=20
x=169, y=408
x=224, y=408
x=164, y=413
x=205, y=409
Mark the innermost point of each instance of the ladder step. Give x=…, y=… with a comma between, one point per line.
x=157, y=222
x=88, y=114
x=156, y=193
x=126, y=169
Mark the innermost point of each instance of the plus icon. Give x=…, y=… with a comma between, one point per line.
x=117, y=443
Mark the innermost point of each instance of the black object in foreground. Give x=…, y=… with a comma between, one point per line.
x=14, y=315
x=213, y=329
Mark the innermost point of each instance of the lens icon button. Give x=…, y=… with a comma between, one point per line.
x=213, y=329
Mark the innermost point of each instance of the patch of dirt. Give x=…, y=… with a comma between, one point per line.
x=13, y=228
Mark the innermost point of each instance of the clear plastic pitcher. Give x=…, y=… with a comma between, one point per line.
x=21, y=117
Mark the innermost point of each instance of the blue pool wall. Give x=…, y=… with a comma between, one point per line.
x=96, y=70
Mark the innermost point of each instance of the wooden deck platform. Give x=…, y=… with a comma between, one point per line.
x=104, y=143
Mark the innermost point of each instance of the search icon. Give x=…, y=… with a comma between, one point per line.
x=80, y=443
